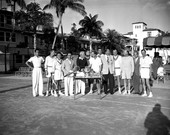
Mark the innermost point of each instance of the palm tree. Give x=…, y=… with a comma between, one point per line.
x=115, y=39
x=32, y=17
x=91, y=27
x=60, y=7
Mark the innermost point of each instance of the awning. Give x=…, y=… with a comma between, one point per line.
x=157, y=42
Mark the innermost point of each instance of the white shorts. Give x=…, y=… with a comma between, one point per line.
x=49, y=71
x=126, y=74
x=145, y=73
x=117, y=72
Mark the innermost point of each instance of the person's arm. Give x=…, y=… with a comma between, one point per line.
x=100, y=67
x=101, y=64
x=113, y=64
x=45, y=64
x=63, y=68
x=28, y=63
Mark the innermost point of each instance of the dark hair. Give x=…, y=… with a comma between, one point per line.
x=58, y=53
x=107, y=49
x=95, y=52
x=36, y=50
x=143, y=50
x=69, y=52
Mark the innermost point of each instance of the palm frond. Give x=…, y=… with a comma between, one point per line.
x=21, y=3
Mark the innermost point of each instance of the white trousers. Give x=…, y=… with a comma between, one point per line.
x=68, y=85
x=80, y=86
x=37, y=82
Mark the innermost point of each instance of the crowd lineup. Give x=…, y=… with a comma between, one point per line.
x=132, y=69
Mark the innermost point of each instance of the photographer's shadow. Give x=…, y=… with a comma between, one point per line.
x=156, y=122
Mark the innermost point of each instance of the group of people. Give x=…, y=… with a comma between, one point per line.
x=133, y=70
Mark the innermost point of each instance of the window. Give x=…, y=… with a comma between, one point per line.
x=9, y=20
x=135, y=35
x=18, y=58
x=149, y=34
x=8, y=35
x=2, y=37
x=2, y=20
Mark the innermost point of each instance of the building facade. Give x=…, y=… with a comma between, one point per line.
x=140, y=31
x=16, y=46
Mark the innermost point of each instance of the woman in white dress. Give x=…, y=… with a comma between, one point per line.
x=58, y=73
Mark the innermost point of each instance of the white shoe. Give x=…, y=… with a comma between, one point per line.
x=125, y=92
x=144, y=95
x=41, y=95
x=52, y=93
x=47, y=94
x=128, y=92
x=60, y=93
x=90, y=92
x=119, y=92
x=55, y=94
x=150, y=95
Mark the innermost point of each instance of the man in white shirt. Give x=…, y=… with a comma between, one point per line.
x=95, y=65
x=48, y=70
x=117, y=62
x=37, y=79
x=67, y=67
x=145, y=72
x=100, y=53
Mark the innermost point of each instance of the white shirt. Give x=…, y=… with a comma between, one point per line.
x=36, y=61
x=48, y=62
x=95, y=64
x=117, y=60
x=145, y=62
x=160, y=71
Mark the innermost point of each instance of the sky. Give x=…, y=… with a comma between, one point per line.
x=119, y=14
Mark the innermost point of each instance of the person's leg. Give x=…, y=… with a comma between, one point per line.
x=91, y=81
x=118, y=83
x=71, y=86
x=40, y=80
x=111, y=84
x=105, y=81
x=125, y=86
x=149, y=88
x=78, y=82
x=34, y=83
x=83, y=83
x=136, y=83
x=66, y=87
x=48, y=87
x=144, y=87
x=98, y=86
x=56, y=88
x=129, y=85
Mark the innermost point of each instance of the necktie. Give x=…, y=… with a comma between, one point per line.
x=108, y=59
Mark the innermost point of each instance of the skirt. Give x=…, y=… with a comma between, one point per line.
x=58, y=75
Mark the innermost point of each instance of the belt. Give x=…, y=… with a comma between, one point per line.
x=117, y=67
